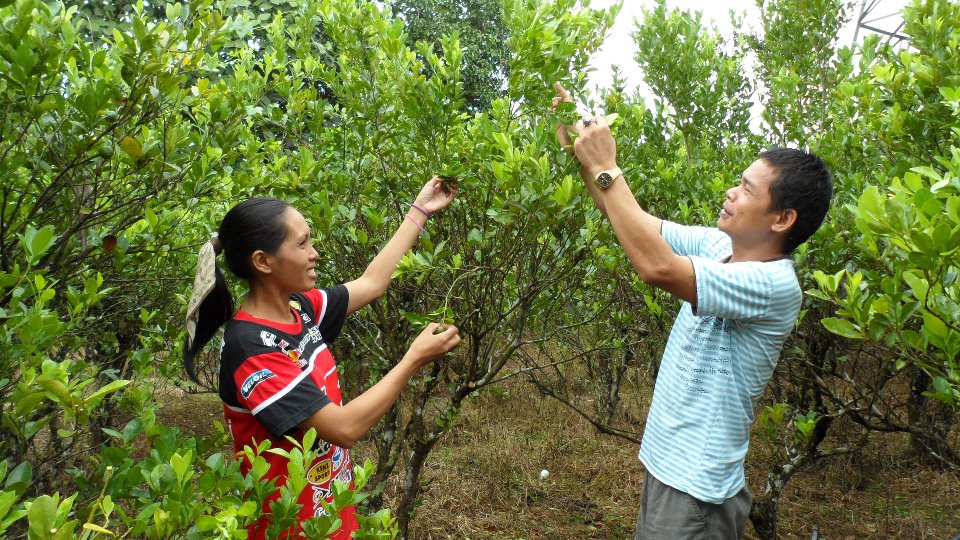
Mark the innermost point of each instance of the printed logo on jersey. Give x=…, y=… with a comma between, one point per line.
x=337, y=458
x=321, y=493
x=270, y=340
x=297, y=361
x=320, y=472
x=295, y=305
x=345, y=476
x=312, y=336
x=253, y=380
x=305, y=317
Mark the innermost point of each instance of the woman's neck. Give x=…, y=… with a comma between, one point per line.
x=269, y=305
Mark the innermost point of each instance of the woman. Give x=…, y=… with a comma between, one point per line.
x=277, y=375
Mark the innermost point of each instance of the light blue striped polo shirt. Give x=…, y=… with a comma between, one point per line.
x=719, y=357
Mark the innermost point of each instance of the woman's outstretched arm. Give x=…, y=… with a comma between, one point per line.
x=434, y=196
x=346, y=425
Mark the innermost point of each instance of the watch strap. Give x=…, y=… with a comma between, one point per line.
x=613, y=174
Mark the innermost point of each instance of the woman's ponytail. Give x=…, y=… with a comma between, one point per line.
x=211, y=305
x=254, y=224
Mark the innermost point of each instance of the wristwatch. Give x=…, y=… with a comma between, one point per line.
x=605, y=178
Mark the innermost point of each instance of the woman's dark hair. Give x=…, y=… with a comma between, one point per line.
x=803, y=183
x=254, y=224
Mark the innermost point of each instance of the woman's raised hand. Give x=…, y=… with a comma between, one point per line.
x=436, y=194
x=431, y=345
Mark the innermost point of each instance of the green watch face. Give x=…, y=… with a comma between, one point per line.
x=604, y=179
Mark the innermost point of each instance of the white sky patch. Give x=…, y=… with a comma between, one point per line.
x=619, y=48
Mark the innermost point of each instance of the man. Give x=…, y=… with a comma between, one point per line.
x=741, y=301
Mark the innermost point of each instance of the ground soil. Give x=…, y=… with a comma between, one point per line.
x=484, y=479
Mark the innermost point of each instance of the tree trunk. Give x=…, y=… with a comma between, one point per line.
x=763, y=515
x=934, y=419
x=386, y=457
x=411, y=484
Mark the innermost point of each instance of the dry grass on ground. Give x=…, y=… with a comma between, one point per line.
x=484, y=479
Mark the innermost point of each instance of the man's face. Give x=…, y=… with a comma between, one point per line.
x=746, y=215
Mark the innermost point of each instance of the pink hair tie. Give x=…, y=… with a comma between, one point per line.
x=419, y=226
x=422, y=210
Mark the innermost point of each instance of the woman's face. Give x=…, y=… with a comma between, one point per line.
x=294, y=263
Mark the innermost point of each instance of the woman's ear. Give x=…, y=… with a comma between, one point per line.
x=260, y=261
x=785, y=220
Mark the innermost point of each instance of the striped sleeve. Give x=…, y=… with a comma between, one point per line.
x=741, y=291
x=696, y=241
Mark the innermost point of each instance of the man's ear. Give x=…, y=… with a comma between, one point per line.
x=260, y=261
x=785, y=220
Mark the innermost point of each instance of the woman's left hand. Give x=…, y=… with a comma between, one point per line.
x=436, y=195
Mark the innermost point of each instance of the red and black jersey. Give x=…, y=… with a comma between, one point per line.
x=274, y=376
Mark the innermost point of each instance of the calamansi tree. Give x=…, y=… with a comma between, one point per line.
x=517, y=230
x=899, y=293
x=120, y=151
x=163, y=124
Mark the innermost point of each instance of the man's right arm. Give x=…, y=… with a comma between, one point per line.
x=639, y=234
x=637, y=230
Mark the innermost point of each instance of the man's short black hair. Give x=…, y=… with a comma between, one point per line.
x=803, y=183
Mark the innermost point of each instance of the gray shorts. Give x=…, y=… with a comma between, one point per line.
x=670, y=514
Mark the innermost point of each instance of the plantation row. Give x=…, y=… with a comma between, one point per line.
x=126, y=132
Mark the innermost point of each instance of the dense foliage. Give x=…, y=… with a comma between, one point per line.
x=128, y=129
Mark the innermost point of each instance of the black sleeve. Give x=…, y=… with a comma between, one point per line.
x=284, y=415
x=335, y=312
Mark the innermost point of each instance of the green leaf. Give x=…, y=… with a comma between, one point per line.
x=29, y=402
x=415, y=319
x=934, y=326
x=98, y=529
x=7, y=498
x=566, y=113
x=917, y=284
x=42, y=517
x=152, y=219
x=181, y=463
x=37, y=242
x=206, y=523
x=65, y=531
x=94, y=399
x=842, y=327
x=58, y=392
x=928, y=172
x=8, y=280
x=19, y=478
x=953, y=209
x=247, y=508
x=870, y=205
x=944, y=391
